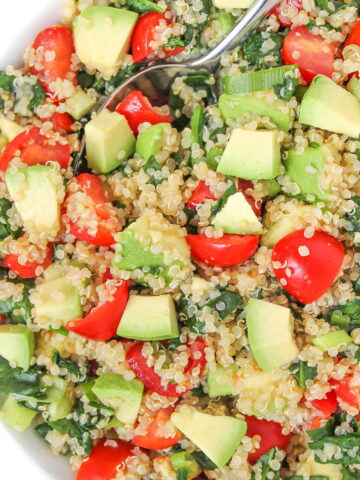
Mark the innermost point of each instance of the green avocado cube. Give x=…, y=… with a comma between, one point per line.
x=328, y=106
x=17, y=344
x=149, y=318
x=60, y=408
x=217, y=436
x=17, y=417
x=79, y=104
x=237, y=216
x=149, y=142
x=109, y=141
x=251, y=155
x=123, y=395
x=34, y=191
x=221, y=381
x=263, y=103
x=353, y=86
x=270, y=334
x=102, y=37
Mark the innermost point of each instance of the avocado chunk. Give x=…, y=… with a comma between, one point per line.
x=17, y=344
x=224, y=22
x=149, y=142
x=263, y=103
x=122, y=395
x=31, y=189
x=272, y=187
x=332, y=339
x=328, y=106
x=252, y=155
x=217, y=436
x=230, y=4
x=237, y=216
x=149, y=318
x=79, y=104
x=17, y=417
x=109, y=141
x=102, y=37
x=311, y=468
x=270, y=334
x=143, y=246
x=354, y=86
x=10, y=129
x=220, y=381
x=305, y=168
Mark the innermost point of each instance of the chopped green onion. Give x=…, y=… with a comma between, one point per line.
x=184, y=461
x=332, y=339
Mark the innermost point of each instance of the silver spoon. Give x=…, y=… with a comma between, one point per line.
x=155, y=79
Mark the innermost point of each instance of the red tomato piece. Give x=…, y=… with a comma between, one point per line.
x=56, y=60
x=28, y=270
x=226, y=251
x=106, y=459
x=346, y=392
x=108, y=224
x=283, y=9
x=327, y=405
x=270, y=433
x=308, y=265
x=153, y=440
x=137, y=109
x=151, y=379
x=354, y=36
x=102, y=322
x=310, y=52
x=201, y=193
x=143, y=36
x=35, y=149
x=2, y=319
x=62, y=122
x=243, y=185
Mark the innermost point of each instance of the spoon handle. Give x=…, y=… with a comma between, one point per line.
x=237, y=35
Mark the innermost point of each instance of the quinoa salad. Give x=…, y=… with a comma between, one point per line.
x=182, y=299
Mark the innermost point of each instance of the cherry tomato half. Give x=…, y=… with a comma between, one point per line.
x=108, y=224
x=35, y=149
x=143, y=36
x=137, y=109
x=308, y=266
x=226, y=251
x=201, y=193
x=153, y=438
x=354, y=36
x=243, y=185
x=270, y=433
x=151, y=379
x=62, y=122
x=102, y=322
x=346, y=391
x=106, y=459
x=310, y=52
x=326, y=405
x=283, y=9
x=28, y=270
x=56, y=59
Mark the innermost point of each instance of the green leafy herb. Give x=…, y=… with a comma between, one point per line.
x=18, y=310
x=330, y=7
x=199, y=391
x=5, y=227
x=356, y=286
x=266, y=469
x=85, y=80
x=175, y=42
x=286, y=90
x=143, y=6
x=121, y=76
x=314, y=145
x=302, y=372
x=349, y=474
x=182, y=474
x=354, y=217
x=223, y=199
x=312, y=477
x=6, y=81
x=254, y=54
x=152, y=166
x=313, y=24
x=43, y=429
x=204, y=461
x=197, y=126
x=60, y=331
x=347, y=316
x=71, y=367
x=19, y=383
x=75, y=431
x=228, y=302
x=38, y=97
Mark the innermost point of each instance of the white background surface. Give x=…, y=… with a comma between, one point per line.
x=24, y=456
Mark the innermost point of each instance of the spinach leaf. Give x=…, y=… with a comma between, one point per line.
x=347, y=316
x=204, y=461
x=121, y=76
x=182, y=474
x=38, y=97
x=353, y=218
x=319, y=433
x=301, y=371
x=5, y=227
x=286, y=90
x=75, y=431
x=85, y=80
x=143, y=6
x=266, y=469
x=197, y=126
x=349, y=474
x=327, y=26
x=199, y=391
x=43, y=429
x=6, y=81
x=19, y=383
x=356, y=286
x=255, y=54
x=223, y=199
x=152, y=166
x=230, y=301
x=175, y=42
x=312, y=477
x=71, y=367
x=330, y=7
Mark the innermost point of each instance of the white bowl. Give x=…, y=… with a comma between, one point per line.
x=25, y=455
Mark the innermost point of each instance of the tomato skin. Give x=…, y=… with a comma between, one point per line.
x=345, y=393
x=271, y=436
x=310, y=52
x=62, y=122
x=310, y=275
x=92, y=186
x=152, y=440
x=104, y=460
x=226, y=251
x=201, y=193
x=151, y=379
x=58, y=39
x=327, y=405
x=28, y=270
x=143, y=35
x=354, y=36
x=284, y=20
x=137, y=109
x=243, y=185
x=35, y=150
x=102, y=322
